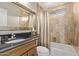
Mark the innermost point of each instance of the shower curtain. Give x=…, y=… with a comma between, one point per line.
x=42, y=28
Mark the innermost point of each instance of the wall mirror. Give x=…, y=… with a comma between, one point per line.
x=13, y=17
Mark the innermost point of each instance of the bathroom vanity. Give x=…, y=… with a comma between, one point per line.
x=20, y=46
x=27, y=48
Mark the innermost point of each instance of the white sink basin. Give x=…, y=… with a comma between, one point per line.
x=15, y=41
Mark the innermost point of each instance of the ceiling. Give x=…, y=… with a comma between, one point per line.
x=53, y=7
x=47, y=5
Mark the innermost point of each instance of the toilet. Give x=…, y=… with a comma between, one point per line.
x=42, y=51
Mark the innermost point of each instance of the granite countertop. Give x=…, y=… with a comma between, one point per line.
x=6, y=47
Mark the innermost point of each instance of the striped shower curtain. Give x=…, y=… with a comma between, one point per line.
x=42, y=28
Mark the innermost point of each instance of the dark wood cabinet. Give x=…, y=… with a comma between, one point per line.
x=27, y=49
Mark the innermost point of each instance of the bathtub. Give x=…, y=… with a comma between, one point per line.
x=58, y=49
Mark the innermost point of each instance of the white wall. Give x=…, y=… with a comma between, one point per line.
x=3, y=17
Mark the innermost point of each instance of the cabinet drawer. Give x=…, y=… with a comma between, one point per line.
x=20, y=50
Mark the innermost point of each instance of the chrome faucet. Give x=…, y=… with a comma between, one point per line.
x=12, y=36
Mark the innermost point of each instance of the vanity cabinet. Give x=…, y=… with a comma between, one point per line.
x=32, y=52
x=27, y=49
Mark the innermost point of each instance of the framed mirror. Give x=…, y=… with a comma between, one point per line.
x=13, y=17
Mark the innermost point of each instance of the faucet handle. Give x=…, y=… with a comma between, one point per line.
x=13, y=36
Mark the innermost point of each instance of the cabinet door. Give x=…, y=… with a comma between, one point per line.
x=32, y=52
